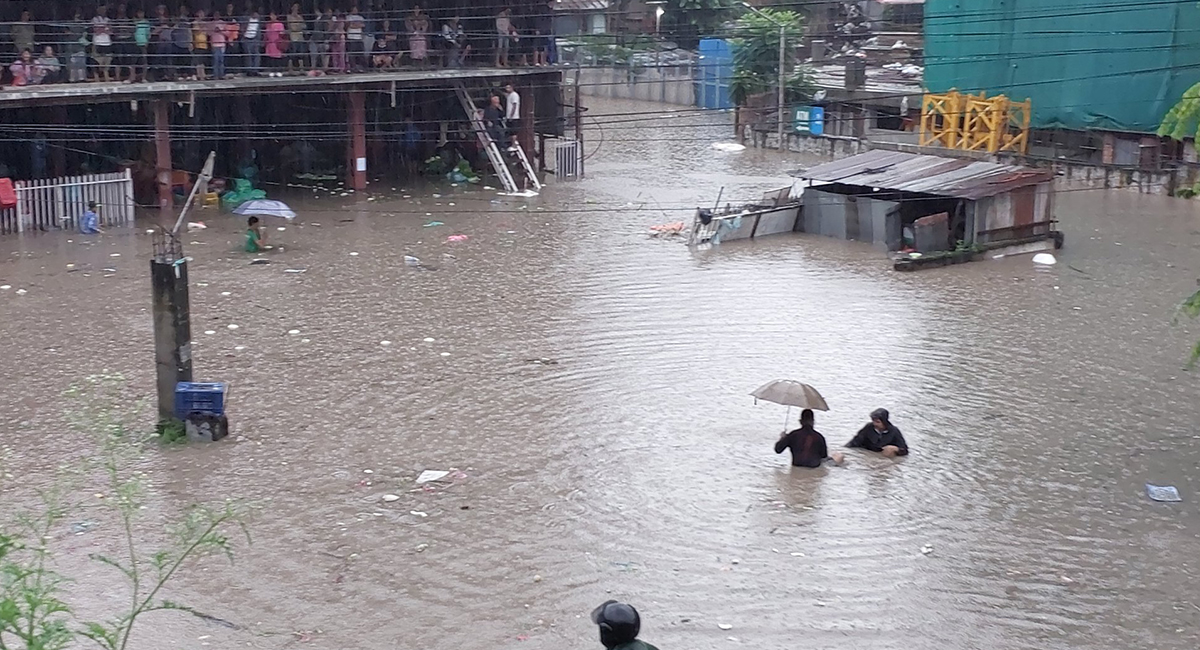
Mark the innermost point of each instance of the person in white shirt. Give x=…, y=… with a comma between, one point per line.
x=102, y=49
x=356, y=50
x=512, y=114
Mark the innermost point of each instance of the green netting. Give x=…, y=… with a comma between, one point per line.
x=1085, y=64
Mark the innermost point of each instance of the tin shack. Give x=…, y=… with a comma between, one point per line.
x=931, y=206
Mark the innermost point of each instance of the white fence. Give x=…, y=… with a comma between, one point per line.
x=567, y=158
x=58, y=203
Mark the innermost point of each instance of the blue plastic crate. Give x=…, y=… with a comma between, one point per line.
x=199, y=397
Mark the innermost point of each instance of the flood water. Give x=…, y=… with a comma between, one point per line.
x=633, y=464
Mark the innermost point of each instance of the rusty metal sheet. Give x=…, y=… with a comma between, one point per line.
x=925, y=174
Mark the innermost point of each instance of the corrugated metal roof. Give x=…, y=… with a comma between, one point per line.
x=580, y=5
x=910, y=172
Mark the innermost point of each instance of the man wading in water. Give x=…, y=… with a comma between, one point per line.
x=807, y=444
x=881, y=436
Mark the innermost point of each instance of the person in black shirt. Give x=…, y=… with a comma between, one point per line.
x=493, y=120
x=881, y=436
x=807, y=444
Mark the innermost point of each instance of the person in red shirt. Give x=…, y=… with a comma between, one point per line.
x=276, y=45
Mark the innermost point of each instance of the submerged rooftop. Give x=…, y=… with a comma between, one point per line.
x=909, y=172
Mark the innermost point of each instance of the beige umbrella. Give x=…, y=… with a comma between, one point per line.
x=790, y=393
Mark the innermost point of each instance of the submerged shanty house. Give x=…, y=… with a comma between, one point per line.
x=927, y=204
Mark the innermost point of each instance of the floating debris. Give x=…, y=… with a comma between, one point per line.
x=1165, y=493
x=430, y=475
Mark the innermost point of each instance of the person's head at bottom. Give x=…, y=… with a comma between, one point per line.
x=619, y=623
x=807, y=418
x=879, y=418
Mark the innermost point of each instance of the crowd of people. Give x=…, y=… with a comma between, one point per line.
x=120, y=45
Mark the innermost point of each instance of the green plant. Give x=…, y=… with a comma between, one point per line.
x=1191, y=308
x=33, y=615
x=1183, y=119
x=171, y=431
x=756, y=56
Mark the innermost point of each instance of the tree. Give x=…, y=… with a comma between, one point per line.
x=756, y=56
x=1183, y=120
x=687, y=21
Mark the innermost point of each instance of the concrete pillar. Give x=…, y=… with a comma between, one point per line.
x=528, y=113
x=58, y=155
x=172, y=329
x=1108, y=152
x=356, y=144
x=162, y=149
x=243, y=117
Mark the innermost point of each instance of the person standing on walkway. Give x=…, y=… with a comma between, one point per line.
x=233, y=31
x=77, y=44
x=298, y=37
x=124, y=50
x=102, y=44
x=141, y=44
x=23, y=32
x=160, y=47
x=355, y=47
x=216, y=39
x=276, y=44
x=252, y=40
x=417, y=26
x=181, y=44
x=503, y=37
x=337, y=46
x=322, y=38
x=201, y=30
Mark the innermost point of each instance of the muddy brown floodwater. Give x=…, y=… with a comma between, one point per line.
x=1037, y=401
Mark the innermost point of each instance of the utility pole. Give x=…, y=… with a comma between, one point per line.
x=782, y=84
x=172, y=313
x=578, y=123
x=782, y=81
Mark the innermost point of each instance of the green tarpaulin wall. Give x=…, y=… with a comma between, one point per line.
x=1086, y=64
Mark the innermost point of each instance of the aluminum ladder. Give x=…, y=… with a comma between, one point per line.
x=491, y=147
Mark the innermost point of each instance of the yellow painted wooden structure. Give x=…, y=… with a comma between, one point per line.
x=968, y=122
